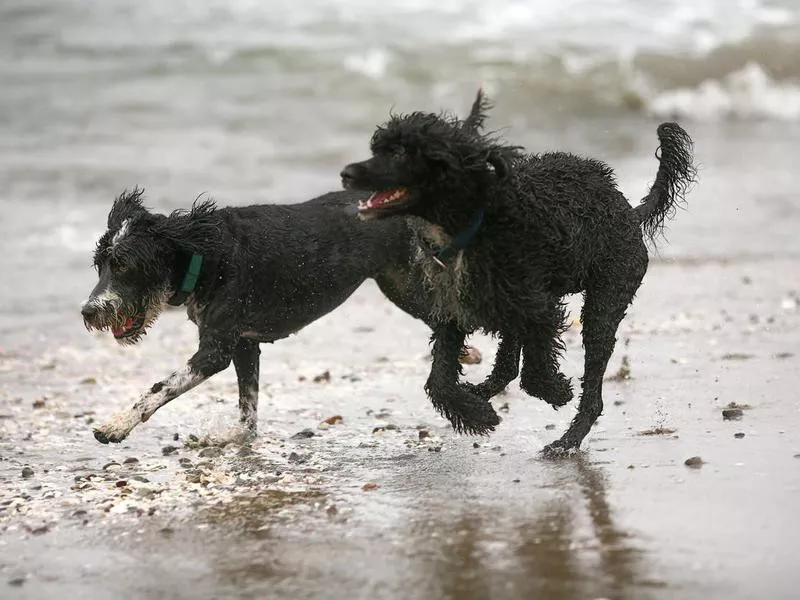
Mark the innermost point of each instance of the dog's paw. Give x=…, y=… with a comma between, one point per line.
x=118, y=427
x=560, y=449
x=239, y=435
x=104, y=437
x=476, y=419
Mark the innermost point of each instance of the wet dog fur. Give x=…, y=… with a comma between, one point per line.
x=267, y=271
x=530, y=229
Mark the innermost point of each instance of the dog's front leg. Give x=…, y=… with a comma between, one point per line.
x=213, y=356
x=467, y=412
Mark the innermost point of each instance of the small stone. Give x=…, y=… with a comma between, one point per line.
x=424, y=433
x=167, y=450
x=175, y=437
x=550, y=426
x=193, y=438
x=298, y=459
x=379, y=429
x=16, y=582
x=185, y=462
x=369, y=486
x=435, y=449
x=132, y=460
x=732, y=414
x=738, y=435
x=245, y=451
x=322, y=377
x=27, y=472
x=40, y=530
x=515, y=481
x=332, y=510
x=306, y=433
x=391, y=427
x=695, y=462
x=476, y=445
x=323, y=426
x=112, y=466
x=334, y=420
x=470, y=355
x=121, y=483
x=210, y=452
x=140, y=479
x=39, y=403
x=88, y=381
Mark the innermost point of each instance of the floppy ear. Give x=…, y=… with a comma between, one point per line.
x=196, y=231
x=126, y=206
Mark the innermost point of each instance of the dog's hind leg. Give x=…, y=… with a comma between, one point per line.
x=607, y=299
x=504, y=371
x=213, y=356
x=467, y=412
x=541, y=352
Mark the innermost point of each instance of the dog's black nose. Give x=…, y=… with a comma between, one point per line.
x=348, y=174
x=88, y=311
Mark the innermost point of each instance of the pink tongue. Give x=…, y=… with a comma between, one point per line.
x=379, y=198
x=116, y=330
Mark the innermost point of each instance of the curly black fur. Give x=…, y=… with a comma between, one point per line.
x=676, y=173
x=267, y=272
x=552, y=224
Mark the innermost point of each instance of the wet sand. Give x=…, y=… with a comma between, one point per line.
x=373, y=508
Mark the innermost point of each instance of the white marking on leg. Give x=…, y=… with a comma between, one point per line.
x=120, y=425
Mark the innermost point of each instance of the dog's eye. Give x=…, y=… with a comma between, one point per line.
x=398, y=153
x=121, y=268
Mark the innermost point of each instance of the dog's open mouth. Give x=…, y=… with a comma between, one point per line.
x=130, y=327
x=382, y=200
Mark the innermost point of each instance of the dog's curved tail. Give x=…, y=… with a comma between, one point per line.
x=676, y=173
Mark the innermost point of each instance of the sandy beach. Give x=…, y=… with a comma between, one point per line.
x=355, y=487
x=389, y=502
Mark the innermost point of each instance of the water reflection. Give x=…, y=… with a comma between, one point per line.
x=562, y=544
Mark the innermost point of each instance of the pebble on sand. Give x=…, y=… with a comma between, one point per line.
x=306, y=433
x=167, y=450
x=369, y=486
x=732, y=414
x=27, y=472
x=738, y=435
x=210, y=452
x=695, y=462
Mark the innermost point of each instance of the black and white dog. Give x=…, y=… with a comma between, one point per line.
x=246, y=275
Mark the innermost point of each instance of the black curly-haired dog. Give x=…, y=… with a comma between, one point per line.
x=247, y=276
x=502, y=237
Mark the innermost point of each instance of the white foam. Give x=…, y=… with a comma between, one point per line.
x=372, y=63
x=749, y=93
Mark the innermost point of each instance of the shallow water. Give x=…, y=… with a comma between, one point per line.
x=252, y=104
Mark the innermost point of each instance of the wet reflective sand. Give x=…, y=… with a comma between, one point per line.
x=369, y=508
